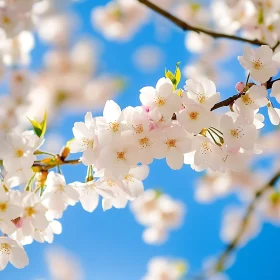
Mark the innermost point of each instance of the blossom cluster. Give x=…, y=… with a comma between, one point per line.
x=160, y=213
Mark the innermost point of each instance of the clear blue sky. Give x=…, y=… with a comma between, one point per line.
x=109, y=244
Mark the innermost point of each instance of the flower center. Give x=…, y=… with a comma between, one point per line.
x=257, y=64
x=29, y=211
x=235, y=133
x=6, y=20
x=193, y=115
x=3, y=207
x=171, y=143
x=246, y=99
x=88, y=143
x=160, y=101
x=111, y=183
x=5, y=249
x=19, y=153
x=201, y=98
x=205, y=148
x=114, y=126
x=139, y=128
x=121, y=155
x=129, y=178
x=144, y=142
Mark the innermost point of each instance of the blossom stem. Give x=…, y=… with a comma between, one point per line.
x=43, y=167
x=185, y=26
x=232, y=246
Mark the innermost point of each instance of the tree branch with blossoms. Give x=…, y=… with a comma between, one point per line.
x=185, y=26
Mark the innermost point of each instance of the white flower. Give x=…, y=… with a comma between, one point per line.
x=133, y=180
x=173, y=143
x=57, y=195
x=194, y=118
x=253, y=99
x=118, y=158
x=11, y=252
x=89, y=194
x=155, y=235
x=273, y=113
x=34, y=213
x=207, y=154
x=165, y=269
x=111, y=125
x=47, y=235
x=85, y=140
x=259, y=63
x=144, y=138
x=162, y=98
x=8, y=212
x=202, y=92
x=238, y=134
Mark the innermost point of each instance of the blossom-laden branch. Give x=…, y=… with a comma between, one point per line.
x=230, y=100
x=55, y=161
x=185, y=26
x=243, y=226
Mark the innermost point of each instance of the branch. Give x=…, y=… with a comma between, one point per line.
x=185, y=26
x=226, y=102
x=233, y=98
x=59, y=161
x=230, y=247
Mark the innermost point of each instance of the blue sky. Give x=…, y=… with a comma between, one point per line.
x=109, y=244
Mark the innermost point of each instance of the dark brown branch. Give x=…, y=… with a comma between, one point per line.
x=185, y=26
x=233, y=98
x=226, y=102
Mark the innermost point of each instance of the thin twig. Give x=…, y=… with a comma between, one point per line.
x=231, y=246
x=43, y=167
x=185, y=26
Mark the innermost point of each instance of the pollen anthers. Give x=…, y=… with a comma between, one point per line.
x=121, y=155
x=193, y=115
x=88, y=143
x=246, y=99
x=115, y=126
x=138, y=128
x=19, y=153
x=111, y=183
x=144, y=142
x=129, y=178
x=257, y=64
x=237, y=132
x=201, y=98
x=29, y=211
x=205, y=148
x=160, y=101
x=171, y=143
x=5, y=249
x=3, y=206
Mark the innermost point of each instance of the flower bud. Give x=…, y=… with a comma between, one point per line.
x=240, y=86
x=64, y=153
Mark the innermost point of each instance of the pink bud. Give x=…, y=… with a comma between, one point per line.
x=18, y=222
x=240, y=86
x=147, y=109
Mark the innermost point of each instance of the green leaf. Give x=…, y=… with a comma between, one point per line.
x=39, y=128
x=44, y=125
x=171, y=77
x=178, y=74
x=175, y=78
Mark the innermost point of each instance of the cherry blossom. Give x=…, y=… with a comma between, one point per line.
x=11, y=252
x=259, y=63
